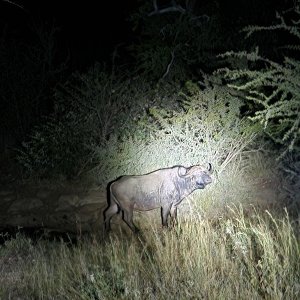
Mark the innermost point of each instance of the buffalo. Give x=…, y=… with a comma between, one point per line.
x=164, y=188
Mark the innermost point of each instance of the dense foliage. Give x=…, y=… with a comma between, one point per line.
x=272, y=88
x=179, y=42
x=123, y=127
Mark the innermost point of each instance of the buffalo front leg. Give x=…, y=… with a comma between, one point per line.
x=165, y=211
x=173, y=214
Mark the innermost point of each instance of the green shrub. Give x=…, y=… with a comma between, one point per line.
x=55, y=147
x=110, y=126
x=271, y=88
x=93, y=111
x=87, y=108
x=206, y=126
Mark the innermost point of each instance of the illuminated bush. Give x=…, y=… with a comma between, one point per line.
x=93, y=111
x=108, y=127
x=205, y=127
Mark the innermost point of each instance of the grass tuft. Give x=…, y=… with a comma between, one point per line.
x=237, y=256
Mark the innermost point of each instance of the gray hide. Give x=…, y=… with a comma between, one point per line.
x=164, y=188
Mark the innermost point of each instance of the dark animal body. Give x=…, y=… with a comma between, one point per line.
x=164, y=188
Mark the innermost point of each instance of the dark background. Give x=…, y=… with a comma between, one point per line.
x=89, y=30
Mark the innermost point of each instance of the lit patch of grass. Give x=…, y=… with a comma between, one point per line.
x=231, y=257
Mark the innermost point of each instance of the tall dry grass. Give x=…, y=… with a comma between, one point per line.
x=234, y=257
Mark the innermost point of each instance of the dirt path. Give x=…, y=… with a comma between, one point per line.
x=62, y=205
x=63, y=209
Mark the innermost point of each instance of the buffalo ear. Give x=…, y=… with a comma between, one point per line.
x=182, y=171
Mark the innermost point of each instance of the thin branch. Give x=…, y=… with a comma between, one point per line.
x=170, y=64
x=173, y=8
x=155, y=5
x=14, y=3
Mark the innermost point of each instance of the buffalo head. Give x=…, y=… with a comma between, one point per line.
x=198, y=175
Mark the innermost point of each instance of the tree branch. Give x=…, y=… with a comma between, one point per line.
x=170, y=64
x=14, y=3
x=173, y=8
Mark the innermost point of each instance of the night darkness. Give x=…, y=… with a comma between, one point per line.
x=198, y=98
x=89, y=31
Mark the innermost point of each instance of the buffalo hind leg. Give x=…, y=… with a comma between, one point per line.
x=109, y=213
x=165, y=211
x=173, y=215
x=128, y=215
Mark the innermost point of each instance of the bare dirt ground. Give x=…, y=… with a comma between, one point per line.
x=66, y=206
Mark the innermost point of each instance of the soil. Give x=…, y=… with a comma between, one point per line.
x=56, y=206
